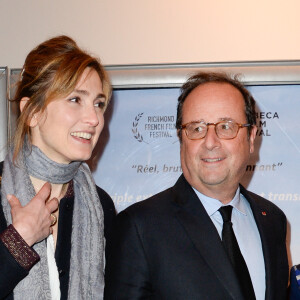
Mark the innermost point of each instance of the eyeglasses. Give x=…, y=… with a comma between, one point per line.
x=225, y=130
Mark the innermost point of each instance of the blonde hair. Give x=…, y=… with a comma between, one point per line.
x=52, y=70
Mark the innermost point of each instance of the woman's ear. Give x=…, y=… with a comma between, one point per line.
x=23, y=102
x=34, y=120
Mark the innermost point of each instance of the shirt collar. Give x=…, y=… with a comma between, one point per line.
x=212, y=205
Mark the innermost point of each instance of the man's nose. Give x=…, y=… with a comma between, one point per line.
x=211, y=139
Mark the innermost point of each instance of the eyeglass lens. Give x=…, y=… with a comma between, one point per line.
x=225, y=130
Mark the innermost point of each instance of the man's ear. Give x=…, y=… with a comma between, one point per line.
x=252, y=138
x=34, y=119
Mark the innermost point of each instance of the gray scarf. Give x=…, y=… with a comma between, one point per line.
x=87, y=252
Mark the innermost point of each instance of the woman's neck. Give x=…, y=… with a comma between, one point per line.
x=57, y=190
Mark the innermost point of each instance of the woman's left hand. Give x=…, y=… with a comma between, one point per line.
x=33, y=221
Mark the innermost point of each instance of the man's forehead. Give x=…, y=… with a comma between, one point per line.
x=215, y=87
x=214, y=100
x=215, y=92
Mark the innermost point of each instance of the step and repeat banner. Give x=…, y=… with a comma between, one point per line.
x=137, y=155
x=139, y=149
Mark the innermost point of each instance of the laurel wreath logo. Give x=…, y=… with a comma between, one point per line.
x=134, y=129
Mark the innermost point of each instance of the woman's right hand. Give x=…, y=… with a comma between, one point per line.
x=33, y=220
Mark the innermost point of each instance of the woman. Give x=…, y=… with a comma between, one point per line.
x=53, y=219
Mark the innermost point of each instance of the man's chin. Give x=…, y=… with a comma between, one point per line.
x=214, y=180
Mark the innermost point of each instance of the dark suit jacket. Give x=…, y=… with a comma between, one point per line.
x=11, y=272
x=167, y=247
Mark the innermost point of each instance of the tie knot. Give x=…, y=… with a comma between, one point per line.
x=225, y=212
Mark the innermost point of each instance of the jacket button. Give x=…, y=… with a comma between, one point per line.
x=69, y=206
x=61, y=273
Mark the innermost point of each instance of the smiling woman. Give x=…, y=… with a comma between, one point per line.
x=69, y=128
x=58, y=219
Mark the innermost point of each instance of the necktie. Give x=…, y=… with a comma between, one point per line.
x=232, y=248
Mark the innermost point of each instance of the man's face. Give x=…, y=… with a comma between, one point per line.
x=211, y=165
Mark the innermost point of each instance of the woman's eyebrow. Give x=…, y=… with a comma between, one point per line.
x=100, y=96
x=83, y=92
x=86, y=93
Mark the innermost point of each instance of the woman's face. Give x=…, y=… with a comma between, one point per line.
x=69, y=128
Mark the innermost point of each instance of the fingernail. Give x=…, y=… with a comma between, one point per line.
x=8, y=197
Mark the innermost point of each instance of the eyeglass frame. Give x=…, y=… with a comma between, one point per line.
x=183, y=126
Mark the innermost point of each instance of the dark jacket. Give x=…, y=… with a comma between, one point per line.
x=167, y=247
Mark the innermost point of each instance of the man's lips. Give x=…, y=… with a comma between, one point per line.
x=211, y=160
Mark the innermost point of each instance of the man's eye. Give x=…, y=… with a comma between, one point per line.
x=225, y=126
x=199, y=129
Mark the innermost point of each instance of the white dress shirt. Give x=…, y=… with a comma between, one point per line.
x=53, y=271
x=247, y=235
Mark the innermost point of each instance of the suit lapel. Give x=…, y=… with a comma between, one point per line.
x=265, y=227
x=192, y=216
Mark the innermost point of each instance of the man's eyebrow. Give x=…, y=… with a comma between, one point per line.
x=220, y=119
x=226, y=119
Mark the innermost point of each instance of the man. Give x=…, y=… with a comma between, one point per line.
x=171, y=246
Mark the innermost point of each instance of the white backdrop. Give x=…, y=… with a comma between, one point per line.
x=155, y=31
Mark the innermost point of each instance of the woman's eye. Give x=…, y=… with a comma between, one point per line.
x=100, y=104
x=75, y=99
